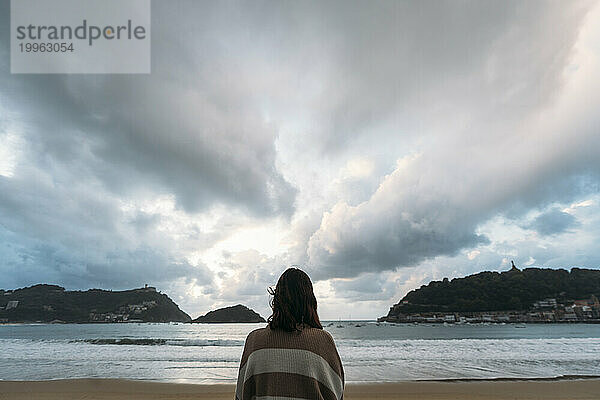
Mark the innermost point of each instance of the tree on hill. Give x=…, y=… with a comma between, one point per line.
x=494, y=291
x=46, y=303
x=237, y=313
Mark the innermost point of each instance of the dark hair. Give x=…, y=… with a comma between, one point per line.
x=294, y=303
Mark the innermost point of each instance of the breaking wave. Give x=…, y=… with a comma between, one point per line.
x=163, y=342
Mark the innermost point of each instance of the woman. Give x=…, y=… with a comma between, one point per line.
x=293, y=357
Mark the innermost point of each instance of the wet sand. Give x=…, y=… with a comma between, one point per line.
x=116, y=389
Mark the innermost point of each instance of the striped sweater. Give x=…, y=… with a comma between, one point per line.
x=290, y=366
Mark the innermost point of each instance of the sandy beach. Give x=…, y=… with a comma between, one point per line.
x=114, y=389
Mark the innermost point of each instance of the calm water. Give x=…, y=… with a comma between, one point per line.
x=370, y=352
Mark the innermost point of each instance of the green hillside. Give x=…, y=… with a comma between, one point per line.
x=495, y=291
x=238, y=313
x=46, y=303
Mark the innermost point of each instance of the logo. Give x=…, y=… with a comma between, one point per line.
x=82, y=32
x=80, y=36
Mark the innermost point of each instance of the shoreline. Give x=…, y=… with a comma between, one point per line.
x=561, y=322
x=506, y=379
x=374, y=321
x=497, y=389
x=231, y=382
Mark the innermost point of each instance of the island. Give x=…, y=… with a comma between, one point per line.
x=539, y=295
x=52, y=303
x=238, y=313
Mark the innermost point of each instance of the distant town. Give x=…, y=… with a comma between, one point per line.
x=54, y=304
x=45, y=303
x=123, y=314
x=531, y=295
x=543, y=311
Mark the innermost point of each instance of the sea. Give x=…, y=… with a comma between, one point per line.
x=370, y=351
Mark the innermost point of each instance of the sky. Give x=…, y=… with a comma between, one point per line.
x=376, y=145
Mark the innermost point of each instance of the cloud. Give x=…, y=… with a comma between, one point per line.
x=395, y=227
x=552, y=222
x=394, y=72
x=493, y=163
x=245, y=277
x=379, y=145
x=67, y=234
x=189, y=129
x=367, y=287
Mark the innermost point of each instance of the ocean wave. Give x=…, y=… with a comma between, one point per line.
x=163, y=342
x=481, y=342
x=205, y=342
x=514, y=378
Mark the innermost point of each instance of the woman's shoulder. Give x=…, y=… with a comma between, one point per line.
x=318, y=332
x=316, y=338
x=257, y=333
x=266, y=336
x=306, y=333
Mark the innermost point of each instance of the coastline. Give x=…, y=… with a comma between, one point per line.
x=374, y=321
x=120, y=389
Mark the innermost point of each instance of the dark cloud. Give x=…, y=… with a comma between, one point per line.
x=193, y=129
x=501, y=158
x=51, y=233
x=405, y=222
x=552, y=222
x=398, y=69
x=365, y=287
x=461, y=112
x=421, y=212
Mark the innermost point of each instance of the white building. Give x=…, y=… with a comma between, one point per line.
x=12, y=304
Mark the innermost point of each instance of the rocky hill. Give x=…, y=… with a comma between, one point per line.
x=238, y=313
x=495, y=291
x=51, y=303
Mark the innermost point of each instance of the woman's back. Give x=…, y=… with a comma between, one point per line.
x=301, y=364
